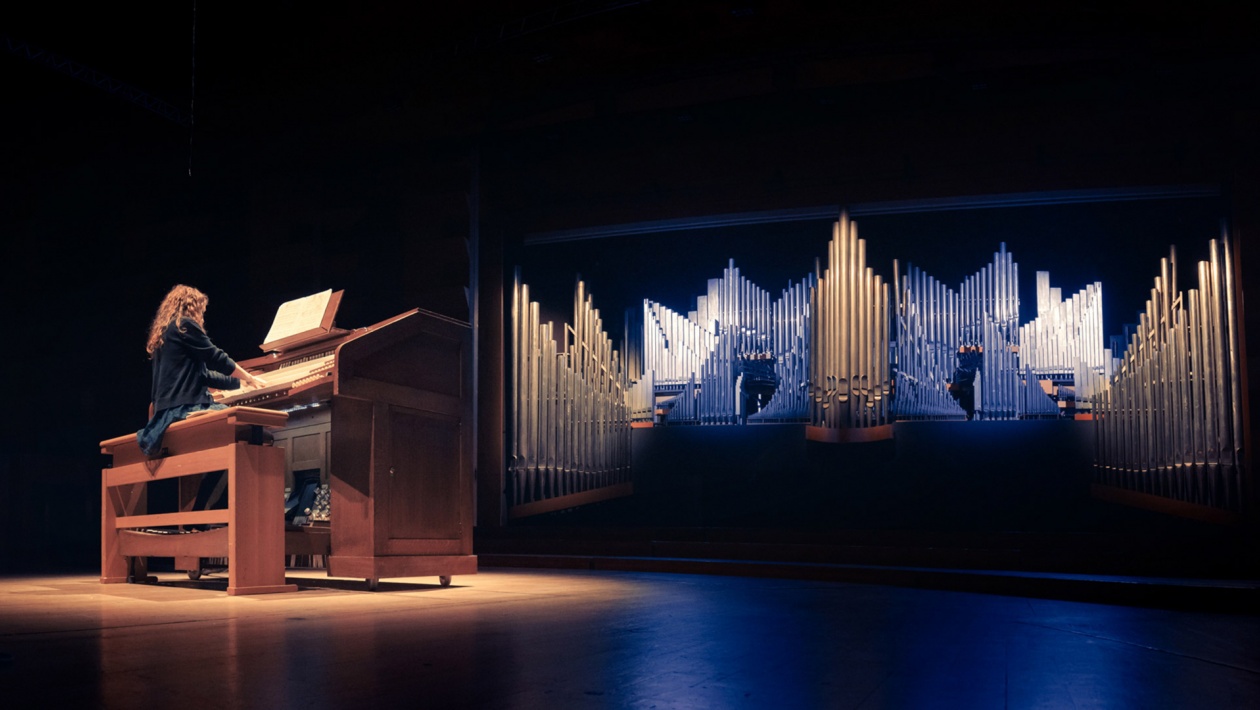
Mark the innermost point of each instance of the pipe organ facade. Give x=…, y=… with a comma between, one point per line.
x=850, y=377
x=927, y=341
x=674, y=346
x=570, y=421
x=936, y=323
x=990, y=320
x=816, y=353
x=789, y=350
x=839, y=353
x=738, y=355
x=1169, y=422
x=1064, y=343
x=1167, y=408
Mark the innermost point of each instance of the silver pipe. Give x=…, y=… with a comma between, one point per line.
x=532, y=406
x=1220, y=356
x=1235, y=457
x=1210, y=375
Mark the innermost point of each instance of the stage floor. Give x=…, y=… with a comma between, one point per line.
x=511, y=638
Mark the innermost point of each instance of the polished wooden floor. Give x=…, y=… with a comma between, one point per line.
x=511, y=638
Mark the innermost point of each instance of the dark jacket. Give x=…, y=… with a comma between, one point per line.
x=186, y=365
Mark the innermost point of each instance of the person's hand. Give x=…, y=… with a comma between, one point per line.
x=255, y=381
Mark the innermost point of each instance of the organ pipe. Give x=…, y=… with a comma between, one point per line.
x=1168, y=422
x=927, y=337
x=934, y=321
x=700, y=363
x=570, y=415
x=849, y=374
x=1065, y=341
x=790, y=353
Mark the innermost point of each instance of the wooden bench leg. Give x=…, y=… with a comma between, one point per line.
x=256, y=528
x=188, y=488
x=118, y=501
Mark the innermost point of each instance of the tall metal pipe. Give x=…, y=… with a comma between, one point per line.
x=1170, y=415
x=571, y=401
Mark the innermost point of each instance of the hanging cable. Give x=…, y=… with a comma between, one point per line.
x=193, y=89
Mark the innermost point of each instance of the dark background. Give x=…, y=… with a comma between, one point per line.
x=263, y=154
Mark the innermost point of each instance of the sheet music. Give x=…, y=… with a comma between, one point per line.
x=299, y=316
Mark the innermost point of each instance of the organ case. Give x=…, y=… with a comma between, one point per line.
x=385, y=414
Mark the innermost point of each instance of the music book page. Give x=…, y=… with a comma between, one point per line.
x=299, y=316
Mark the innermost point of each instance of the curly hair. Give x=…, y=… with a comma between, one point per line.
x=180, y=302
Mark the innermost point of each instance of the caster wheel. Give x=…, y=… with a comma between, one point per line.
x=373, y=584
x=444, y=580
x=194, y=574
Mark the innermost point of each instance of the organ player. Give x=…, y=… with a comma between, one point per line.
x=962, y=387
x=186, y=365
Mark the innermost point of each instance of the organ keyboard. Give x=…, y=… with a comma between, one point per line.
x=302, y=375
x=296, y=381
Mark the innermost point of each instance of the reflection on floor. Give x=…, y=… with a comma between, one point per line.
x=508, y=638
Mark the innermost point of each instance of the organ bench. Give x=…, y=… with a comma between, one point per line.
x=250, y=532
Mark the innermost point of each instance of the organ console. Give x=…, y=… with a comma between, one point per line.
x=383, y=416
